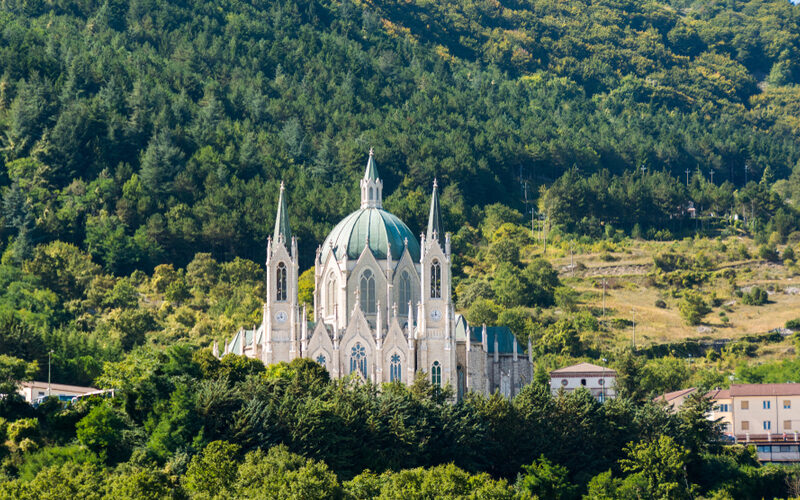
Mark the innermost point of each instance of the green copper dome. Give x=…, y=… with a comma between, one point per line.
x=376, y=225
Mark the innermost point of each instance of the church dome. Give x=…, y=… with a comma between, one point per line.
x=382, y=229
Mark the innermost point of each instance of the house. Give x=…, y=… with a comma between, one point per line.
x=765, y=415
x=675, y=399
x=36, y=391
x=598, y=380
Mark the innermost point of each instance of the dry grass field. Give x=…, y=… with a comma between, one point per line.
x=632, y=290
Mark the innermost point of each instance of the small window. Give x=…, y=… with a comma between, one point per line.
x=281, y=282
x=723, y=408
x=787, y=404
x=321, y=359
x=745, y=425
x=745, y=405
x=394, y=369
x=564, y=382
x=436, y=280
x=601, y=381
x=331, y=295
x=787, y=425
x=723, y=427
x=765, y=405
x=368, y=292
x=764, y=448
x=436, y=374
x=767, y=425
x=583, y=381
x=404, y=292
x=358, y=359
x=786, y=449
x=41, y=393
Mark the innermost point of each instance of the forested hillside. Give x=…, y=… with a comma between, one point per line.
x=142, y=143
x=146, y=131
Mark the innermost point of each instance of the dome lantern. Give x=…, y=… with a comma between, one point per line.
x=371, y=185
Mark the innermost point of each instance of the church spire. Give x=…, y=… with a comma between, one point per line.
x=371, y=173
x=434, y=219
x=282, y=231
x=371, y=185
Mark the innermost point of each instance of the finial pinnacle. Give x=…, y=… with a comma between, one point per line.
x=371, y=151
x=282, y=187
x=435, y=184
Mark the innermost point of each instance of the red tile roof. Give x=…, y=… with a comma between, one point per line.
x=719, y=394
x=765, y=390
x=675, y=394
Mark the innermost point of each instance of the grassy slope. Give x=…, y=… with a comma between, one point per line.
x=630, y=287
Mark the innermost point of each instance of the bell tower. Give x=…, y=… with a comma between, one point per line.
x=437, y=353
x=281, y=320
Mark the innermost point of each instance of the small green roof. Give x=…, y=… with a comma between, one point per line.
x=504, y=336
x=375, y=225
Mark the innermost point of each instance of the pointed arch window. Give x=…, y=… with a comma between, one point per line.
x=358, y=359
x=436, y=374
x=436, y=280
x=367, y=290
x=395, y=368
x=371, y=194
x=281, y=282
x=404, y=292
x=331, y=294
x=321, y=359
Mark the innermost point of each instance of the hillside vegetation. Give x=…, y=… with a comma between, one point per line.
x=651, y=146
x=144, y=131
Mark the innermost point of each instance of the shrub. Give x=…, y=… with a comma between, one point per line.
x=24, y=428
x=693, y=307
x=768, y=253
x=793, y=324
x=756, y=297
x=661, y=304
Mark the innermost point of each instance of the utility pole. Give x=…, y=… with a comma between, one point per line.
x=712, y=176
x=49, y=354
x=633, y=339
x=571, y=263
x=746, y=168
x=604, y=298
x=533, y=225
x=544, y=233
x=687, y=177
x=643, y=169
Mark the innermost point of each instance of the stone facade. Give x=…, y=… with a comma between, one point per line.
x=382, y=304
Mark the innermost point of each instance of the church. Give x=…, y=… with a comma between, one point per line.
x=383, y=307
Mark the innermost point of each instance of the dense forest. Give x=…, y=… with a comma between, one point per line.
x=142, y=143
x=146, y=131
x=192, y=426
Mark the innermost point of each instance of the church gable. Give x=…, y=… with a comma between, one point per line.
x=396, y=358
x=358, y=347
x=320, y=344
x=367, y=282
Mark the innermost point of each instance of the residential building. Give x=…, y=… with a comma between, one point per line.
x=382, y=305
x=36, y=391
x=676, y=398
x=766, y=415
x=598, y=380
